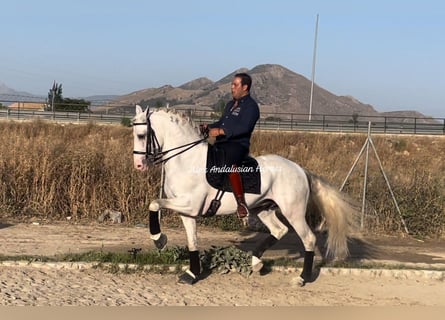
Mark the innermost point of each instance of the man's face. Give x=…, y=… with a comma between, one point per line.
x=238, y=90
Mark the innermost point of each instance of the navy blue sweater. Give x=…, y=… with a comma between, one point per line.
x=238, y=123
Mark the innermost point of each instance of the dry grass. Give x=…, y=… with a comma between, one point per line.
x=52, y=171
x=55, y=171
x=414, y=166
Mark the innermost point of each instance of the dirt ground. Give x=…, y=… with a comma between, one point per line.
x=416, y=276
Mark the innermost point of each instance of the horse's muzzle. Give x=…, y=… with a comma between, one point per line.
x=140, y=163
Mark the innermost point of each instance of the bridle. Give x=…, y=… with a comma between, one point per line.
x=153, y=151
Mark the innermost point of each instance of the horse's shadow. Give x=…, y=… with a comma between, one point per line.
x=5, y=225
x=291, y=247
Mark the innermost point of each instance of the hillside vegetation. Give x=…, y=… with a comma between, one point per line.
x=52, y=171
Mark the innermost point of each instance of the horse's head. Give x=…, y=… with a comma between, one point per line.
x=158, y=129
x=145, y=141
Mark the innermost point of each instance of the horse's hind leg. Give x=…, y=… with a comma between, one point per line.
x=298, y=222
x=277, y=231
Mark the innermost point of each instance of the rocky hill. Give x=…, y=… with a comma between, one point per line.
x=9, y=95
x=276, y=88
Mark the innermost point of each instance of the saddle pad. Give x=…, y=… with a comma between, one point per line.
x=217, y=172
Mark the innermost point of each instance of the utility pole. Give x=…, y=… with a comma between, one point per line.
x=52, y=104
x=52, y=98
x=313, y=68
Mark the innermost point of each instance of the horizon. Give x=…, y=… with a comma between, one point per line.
x=386, y=54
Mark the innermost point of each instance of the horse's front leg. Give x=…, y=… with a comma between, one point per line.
x=159, y=238
x=176, y=204
x=182, y=205
x=191, y=276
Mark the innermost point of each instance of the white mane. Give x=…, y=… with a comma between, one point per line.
x=180, y=116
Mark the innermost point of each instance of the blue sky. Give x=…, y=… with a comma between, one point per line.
x=390, y=54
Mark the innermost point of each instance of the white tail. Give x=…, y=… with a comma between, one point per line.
x=339, y=213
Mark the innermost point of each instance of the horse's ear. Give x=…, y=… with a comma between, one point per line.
x=138, y=109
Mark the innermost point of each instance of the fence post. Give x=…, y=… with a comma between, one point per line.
x=291, y=121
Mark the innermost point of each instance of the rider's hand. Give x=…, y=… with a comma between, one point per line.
x=204, y=129
x=214, y=132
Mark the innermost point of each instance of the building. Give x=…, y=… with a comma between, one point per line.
x=35, y=106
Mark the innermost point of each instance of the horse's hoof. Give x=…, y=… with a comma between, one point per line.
x=188, y=278
x=257, y=264
x=305, y=277
x=161, y=242
x=299, y=281
x=257, y=267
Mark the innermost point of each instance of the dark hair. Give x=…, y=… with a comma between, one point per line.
x=245, y=79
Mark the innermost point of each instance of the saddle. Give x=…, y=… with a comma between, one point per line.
x=217, y=172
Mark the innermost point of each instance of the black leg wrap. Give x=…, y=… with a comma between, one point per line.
x=195, y=263
x=191, y=276
x=153, y=220
x=161, y=242
x=263, y=246
x=306, y=274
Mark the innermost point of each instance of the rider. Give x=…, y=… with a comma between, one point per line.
x=233, y=132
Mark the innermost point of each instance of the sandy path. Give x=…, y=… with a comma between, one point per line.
x=52, y=285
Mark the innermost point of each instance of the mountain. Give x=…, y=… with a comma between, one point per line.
x=9, y=95
x=99, y=100
x=276, y=89
x=5, y=90
x=197, y=84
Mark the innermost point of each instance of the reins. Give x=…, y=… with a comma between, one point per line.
x=158, y=156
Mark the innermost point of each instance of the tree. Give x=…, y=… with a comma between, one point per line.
x=220, y=107
x=58, y=103
x=79, y=105
x=159, y=104
x=54, y=95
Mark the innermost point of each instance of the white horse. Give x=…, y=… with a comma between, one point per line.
x=164, y=135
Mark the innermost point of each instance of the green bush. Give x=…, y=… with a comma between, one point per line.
x=126, y=122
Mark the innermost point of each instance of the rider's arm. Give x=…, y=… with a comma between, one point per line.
x=243, y=123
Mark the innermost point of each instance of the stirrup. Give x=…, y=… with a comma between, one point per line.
x=214, y=206
x=242, y=210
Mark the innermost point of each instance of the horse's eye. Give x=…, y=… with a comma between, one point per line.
x=141, y=136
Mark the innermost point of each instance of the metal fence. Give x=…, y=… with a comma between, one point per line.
x=275, y=121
